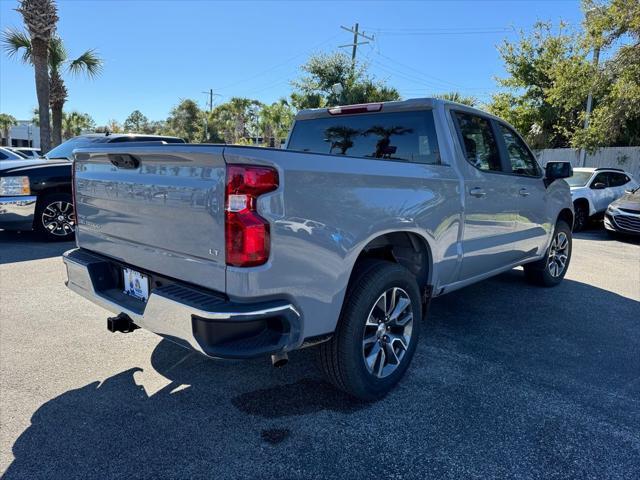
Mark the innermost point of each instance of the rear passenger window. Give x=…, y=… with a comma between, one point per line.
x=479, y=143
x=522, y=160
x=406, y=136
x=617, y=179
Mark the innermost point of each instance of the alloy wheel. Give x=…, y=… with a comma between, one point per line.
x=558, y=254
x=387, y=332
x=58, y=218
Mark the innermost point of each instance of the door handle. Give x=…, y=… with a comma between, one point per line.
x=523, y=192
x=477, y=192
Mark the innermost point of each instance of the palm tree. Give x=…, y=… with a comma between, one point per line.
x=6, y=122
x=40, y=18
x=275, y=121
x=89, y=62
x=74, y=123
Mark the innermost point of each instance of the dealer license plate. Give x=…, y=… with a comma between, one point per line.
x=136, y=284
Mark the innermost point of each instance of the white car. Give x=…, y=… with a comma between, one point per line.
x=6, y=154
x=593, y=189
x=27, y=152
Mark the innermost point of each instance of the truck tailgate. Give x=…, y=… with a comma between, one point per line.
x=157, y=208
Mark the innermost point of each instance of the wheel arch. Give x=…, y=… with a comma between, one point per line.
x=584, y=201
x=566, y=215
x=405, y=248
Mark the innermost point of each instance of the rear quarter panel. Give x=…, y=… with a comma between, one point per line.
x=326, y=210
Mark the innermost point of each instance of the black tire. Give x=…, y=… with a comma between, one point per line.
x=541, y=272
x=581, y=218
x=43, y=215
x=342, y=358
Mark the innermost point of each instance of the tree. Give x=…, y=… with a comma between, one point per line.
x=40, y=17
x=615, y=119
x=74, y=123
x=136, y=122
x=6, y=122
x=333, y=80
x=89, y=62
x=235, y=121
x=547, y=84
x=186, y=121
x=274, y=121
x=458, y=98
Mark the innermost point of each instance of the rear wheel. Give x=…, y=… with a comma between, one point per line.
x=377, y=333
x=551, y=269
x=55, y=217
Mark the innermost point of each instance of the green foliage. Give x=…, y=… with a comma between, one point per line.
x=546, y=86
x=6, y=122
x=74, y=123
x=136, y=122
x=186, y=121
x=550, y=75
x=275, y=121
x=333, y=80
x=234, y=121
x=17, y=42
x=458, y=98
x=615, y=120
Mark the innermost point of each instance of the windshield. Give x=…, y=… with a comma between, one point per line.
x=579, y=179
x=65, y=150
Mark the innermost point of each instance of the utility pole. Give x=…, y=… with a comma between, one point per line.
x=206, y=120
x=354, y=45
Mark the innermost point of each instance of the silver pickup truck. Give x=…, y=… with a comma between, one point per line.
x=340, y=240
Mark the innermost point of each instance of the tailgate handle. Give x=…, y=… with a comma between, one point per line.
x=124, y=160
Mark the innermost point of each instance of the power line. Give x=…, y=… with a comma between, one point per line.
x=281, y=64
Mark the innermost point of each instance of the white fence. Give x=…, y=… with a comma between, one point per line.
x=626, y=158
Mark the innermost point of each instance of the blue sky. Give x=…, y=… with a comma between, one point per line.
x=158, y=52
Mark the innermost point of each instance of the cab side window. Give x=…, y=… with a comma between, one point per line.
x=522, y=160
x=478, y=142
x=603, y=178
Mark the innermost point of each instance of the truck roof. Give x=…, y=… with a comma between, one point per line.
x=386, y=107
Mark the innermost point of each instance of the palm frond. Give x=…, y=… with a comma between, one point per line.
x=89, y=62
x=57, y=53
x=16, y=42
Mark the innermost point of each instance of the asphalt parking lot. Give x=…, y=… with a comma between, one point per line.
x=509, y=380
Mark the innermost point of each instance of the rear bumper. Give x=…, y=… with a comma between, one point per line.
x=16, y=213
x=202, y=320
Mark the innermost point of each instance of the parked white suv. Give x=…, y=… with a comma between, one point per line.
x=593, y=189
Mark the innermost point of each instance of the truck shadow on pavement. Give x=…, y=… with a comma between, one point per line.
x=30, y=247
x=508, y=380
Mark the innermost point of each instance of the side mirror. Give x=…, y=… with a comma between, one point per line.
x=598, y=186
x=555, y=170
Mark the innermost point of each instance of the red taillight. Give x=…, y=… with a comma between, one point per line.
x=246, y=232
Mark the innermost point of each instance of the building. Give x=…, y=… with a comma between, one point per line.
x=25, y=134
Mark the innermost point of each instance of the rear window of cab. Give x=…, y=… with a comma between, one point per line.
x=395, y=136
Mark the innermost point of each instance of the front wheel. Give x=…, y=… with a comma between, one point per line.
x=55, y=217
x=581, y=216
x=551, y=269
x=377, y=333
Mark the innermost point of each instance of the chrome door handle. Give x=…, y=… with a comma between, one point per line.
x=523, y=192
x=477, y=192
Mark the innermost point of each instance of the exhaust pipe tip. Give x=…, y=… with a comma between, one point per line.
x=279, y=360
